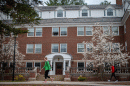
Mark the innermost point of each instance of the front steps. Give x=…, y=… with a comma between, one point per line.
x=56, y=77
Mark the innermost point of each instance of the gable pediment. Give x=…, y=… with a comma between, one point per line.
x=59, y=8
x=109, y=6
x=84, y=7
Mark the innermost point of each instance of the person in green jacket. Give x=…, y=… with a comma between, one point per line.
x=47, y=69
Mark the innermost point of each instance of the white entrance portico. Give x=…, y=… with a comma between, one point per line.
x=59, y=63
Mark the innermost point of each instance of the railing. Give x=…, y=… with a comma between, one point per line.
x=76, y=70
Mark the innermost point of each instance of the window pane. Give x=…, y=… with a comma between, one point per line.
x=38, y=48
x=116, y=47
x=29, y=48
x=31, y=32
x=115, y=30
x=7, y=33
x=106, y=31
x=89, y=47
x=55, y=31
x=63, y=31
x=37, y=64
x=88, y=30
x=84, y=13
x=63, y=47
x=80, y=47
x=80, y=30
x=29, y=64
x=80, y=66
x=110, y=12
x=59, y=13
x=38, y=31
x=54, y=47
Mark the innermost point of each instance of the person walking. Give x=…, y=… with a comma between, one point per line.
x=47, y=69
x=113, y=73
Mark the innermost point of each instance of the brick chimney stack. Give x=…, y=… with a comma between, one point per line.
x=119, y=2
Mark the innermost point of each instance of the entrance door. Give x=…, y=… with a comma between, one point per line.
x=59, y=67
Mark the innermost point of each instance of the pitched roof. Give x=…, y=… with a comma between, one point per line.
x=77, y=7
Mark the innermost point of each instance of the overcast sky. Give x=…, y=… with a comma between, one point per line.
x=90, y=2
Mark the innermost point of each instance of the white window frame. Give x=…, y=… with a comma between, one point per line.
x=62, y=28
x=109, y=47
x=52, y=31
x=106, y=30
x=87, y=12
x=37, y=62
x=27, y=48
x=118, y=31
x=51, y=48
x=87, y=66
x=78, y=30
x=29, y=62
x=36, y=31
x=112, y=10
x=60, y=48
x=77, y=65
x=77, y=48
x=125, y=45
x=35, y=48
x=33, y=32
x=62, y=14
x=88, y=47
x=88, y=30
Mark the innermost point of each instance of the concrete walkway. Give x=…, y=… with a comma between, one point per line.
x=96, y=83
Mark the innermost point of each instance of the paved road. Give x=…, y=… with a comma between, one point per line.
x=96, y=83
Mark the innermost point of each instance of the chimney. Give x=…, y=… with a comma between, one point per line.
x=119, y=2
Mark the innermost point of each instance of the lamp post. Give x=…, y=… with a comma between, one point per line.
x=14, y=57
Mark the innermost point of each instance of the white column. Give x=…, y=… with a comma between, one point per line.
x=69, y=63
x=64, y=68
x=51, y=67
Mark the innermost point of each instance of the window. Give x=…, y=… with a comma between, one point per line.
x=125, y=28
x=125, y=45
x=7, y=33
x=107, y=66
x=38, y=48
x=63, y=48
x=31, y=32
x=38, y=31
x=80, y=66
x=89, y=66
x=88, y=30
x=63, y=31
x=55, y=48
x=80, y=47
x=65, y=13
x=115, y=47
x=59, y=13
x=109, y=12
x=55, y=31
x=89, y=47
x=66, y=65
x=104, y=13
x=106, y=31
x=115, y=31
x=11, y=64
x=37, y=64
x=84, y=12
x=106, y=48
x=80, y=31
x=29, y=65
x=40, y=14
x=29, y=48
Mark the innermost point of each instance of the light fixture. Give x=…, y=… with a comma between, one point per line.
x=58, y=58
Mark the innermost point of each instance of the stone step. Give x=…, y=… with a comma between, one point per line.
x=56, y=77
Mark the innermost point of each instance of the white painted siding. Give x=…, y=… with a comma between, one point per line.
x=48, y=14
x=97, y=13
x=72, y=14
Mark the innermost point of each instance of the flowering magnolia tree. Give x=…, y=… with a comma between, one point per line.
x=101, y=50
x=7, y=52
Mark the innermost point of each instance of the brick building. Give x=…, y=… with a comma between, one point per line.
x=60, y=34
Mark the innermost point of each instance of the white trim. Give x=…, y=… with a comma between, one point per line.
x=66, y=47
x=33, y=32
x=51, y=47
x=118, y=30
x=37, y=62
x=124, y=28
x=77, y=31
x=52, y=31
x=77, y=48
x=35, y=49
x=41, y=32
x=126, y=48
x=77, y=65
x=26, y=48
x=66, y=31
x=91, y=31
x=29, y=62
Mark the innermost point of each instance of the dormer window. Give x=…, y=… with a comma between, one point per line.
x=60, y=13
x=84, y=12
x=109, y=12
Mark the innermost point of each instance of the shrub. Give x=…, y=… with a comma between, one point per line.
x=80, y=78
x=19, y=78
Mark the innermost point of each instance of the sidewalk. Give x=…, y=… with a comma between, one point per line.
x=62, y=83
